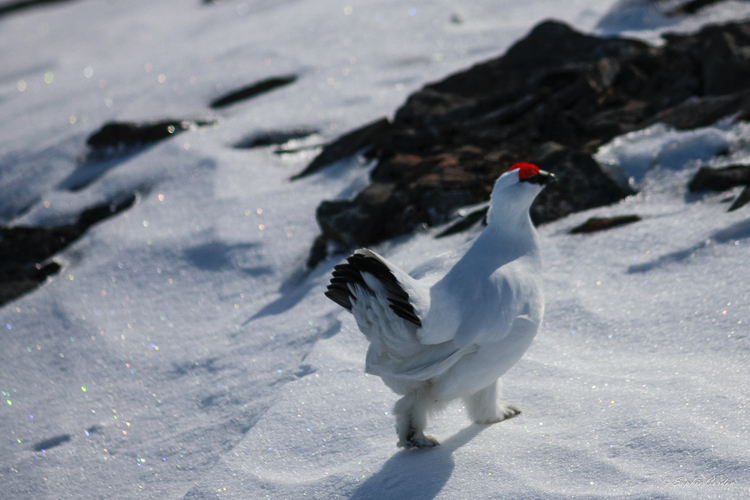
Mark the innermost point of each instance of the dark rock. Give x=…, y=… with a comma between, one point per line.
x=720, y=179
x=51, y=442
x=601, y=223
x=347, y=145
x=24, y=251
x=11, y=7
x=722, y=54
x=704, y=111
x=92, y=215
x=554, y=98
x=253, y=90
x=692, y=7
x=373, y=216
x=124, y=135
x=580, y=185
x=742, y=200
x=318, y=252
x=116, y=142
x=465, y=222
x=273, y=137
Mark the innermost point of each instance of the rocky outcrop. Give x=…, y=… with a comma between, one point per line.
x=347, y=145
x=25, y=251
x=721, y=179
x=553, y=99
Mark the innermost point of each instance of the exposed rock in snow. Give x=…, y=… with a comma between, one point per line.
x=601, y=223
x=720, y=179
x=19, y=5
x=253, y=90
x=24, y=251
x=692, y=7
x=347, y=145
x=274, y=137
x=119, y=136
x=554, y=98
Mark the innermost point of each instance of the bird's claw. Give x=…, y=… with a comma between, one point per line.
x=421, y=442
x=505, y=411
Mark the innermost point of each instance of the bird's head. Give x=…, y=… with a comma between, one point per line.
x=517, y=188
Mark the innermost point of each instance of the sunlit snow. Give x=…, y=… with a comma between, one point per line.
x=183, y=351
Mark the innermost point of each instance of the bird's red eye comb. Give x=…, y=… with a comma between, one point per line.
x=525, y=170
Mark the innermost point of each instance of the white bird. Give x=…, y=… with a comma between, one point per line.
x=453, y=326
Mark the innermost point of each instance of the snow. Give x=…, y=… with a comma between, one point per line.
x=186, y=352
x=628, y=158
x=649, y=19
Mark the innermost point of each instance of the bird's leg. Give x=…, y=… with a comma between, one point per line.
x=411, y=419
x=484, y=407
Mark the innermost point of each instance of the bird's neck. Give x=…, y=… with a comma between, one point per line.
x=508, y=237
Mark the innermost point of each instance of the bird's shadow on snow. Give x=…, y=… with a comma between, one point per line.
x=416, y=474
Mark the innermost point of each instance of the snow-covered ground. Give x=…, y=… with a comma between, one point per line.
x=183, y=352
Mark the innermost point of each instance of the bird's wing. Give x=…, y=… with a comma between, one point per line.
x=481, y=310
x=427, y=362
x=388, y=306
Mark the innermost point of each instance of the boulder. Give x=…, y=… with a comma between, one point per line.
x=553, y=98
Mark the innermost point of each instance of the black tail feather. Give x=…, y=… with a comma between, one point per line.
x=345, y=275
x=340, y=297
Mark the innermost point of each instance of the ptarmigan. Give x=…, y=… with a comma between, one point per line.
x=456, y=324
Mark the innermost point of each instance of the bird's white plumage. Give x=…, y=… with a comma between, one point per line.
x=479, y=313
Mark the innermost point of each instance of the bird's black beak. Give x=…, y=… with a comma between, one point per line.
x=542, y=178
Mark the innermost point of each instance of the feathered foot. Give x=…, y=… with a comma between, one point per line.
x=420, y=441
x=484, y=407
x=411, y=419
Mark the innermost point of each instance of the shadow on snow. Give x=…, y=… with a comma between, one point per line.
x=416, y=474
x=735, y=232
